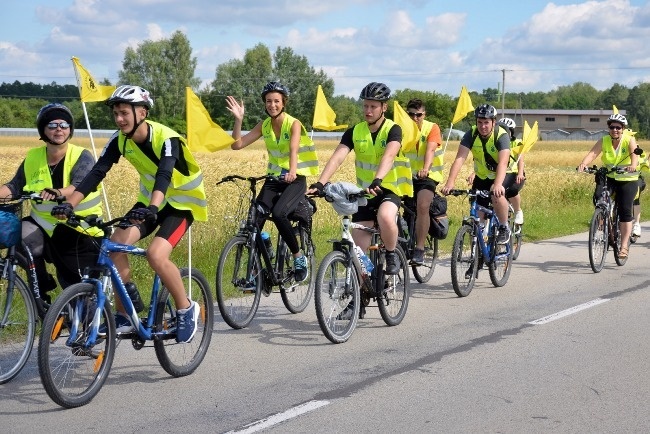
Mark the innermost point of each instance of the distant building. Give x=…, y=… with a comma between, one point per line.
x=563, y=124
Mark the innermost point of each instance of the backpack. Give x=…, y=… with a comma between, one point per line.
x=439, y=224
x=304, y=211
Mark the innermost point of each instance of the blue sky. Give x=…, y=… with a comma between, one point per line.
x=418, y=44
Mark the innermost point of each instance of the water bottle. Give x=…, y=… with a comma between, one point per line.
x=134, y=294
x=405, y=227
x=366, y=263
x=267, y=242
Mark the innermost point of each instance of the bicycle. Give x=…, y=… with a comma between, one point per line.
x=21, y=305
x=344, y=289
x=516, y=234
x=406, y=230
x=604, y=229
x=75, y=358
x=476, y=245
x=246, y=269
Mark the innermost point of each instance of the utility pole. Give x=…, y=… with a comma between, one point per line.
x=503, y=91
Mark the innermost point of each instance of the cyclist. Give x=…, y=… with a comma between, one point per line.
x=490, y=147
x=427, y=164
x=376, y=143
x=171, y=196
x=292, y=157
x=513, y=193
x=644, y=168
x=54, y=170
x=618, y=151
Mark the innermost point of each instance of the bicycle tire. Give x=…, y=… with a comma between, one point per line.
x=180, y=359
x=517, y=240
x=297, y=295
x=598, y=240
x=617, y=240
x=71, y=373
x=394, y=299
x=464, y=261
x=423, y=273
x=18, y=321
x=337, y=304
x=501, y=262
x=237, y=303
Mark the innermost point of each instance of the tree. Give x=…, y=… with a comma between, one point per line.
x=638, y=113
x=578, y=96
x=165, y=68
x=616, y=95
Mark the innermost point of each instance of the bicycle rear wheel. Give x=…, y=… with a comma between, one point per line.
x=464, y=261
x=337, y=297
x=17, y=327
x=296, y=295
x=180, y=359
x=618, y=242
x=394, y=298
x=238, y=295
x=72, y=371
x=501, y=264
x=598, y=236
x=423, y=273
x=517, y=240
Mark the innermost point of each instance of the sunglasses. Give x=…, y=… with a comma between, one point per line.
x=416, y=115
x=55, y=125
x=614, y=127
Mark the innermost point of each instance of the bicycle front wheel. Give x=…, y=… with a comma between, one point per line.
x=72, y=369
x=337, y=297
x=517, y=240
x=180, y=359
x=394, y=299
x=423, y=273
x=296, y=295
x=464, y=261
x=598, y=236
x=17, y=327
x=501, y=264
x=238, y=291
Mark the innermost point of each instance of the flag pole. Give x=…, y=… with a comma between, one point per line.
x=92, y=141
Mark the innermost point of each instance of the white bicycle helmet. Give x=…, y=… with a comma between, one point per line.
x=616, y=117
x=507, y=123
x=129, y=94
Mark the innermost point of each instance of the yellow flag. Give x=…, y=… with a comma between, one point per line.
x=203, y=135
x=614, y=109
x=324, y=116
x=531, y=138
x=89, y=90
x=464, y=106
x=410, y=130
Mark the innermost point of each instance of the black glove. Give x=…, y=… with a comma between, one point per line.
x=318, y=186
x=149, y=214
x=375, y=183
x=53, y=191
x=63, y=210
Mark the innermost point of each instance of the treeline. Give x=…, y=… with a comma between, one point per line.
x=165, y=67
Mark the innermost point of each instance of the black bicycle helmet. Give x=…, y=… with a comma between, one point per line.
x=485, y=111
x=275, y=86
x=50, y=112
x=376, y=92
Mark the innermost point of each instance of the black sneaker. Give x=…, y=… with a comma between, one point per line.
x=503, y=236
x=392, y=263
x=418, y=257
x=346, y=314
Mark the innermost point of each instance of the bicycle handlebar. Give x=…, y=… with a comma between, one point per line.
x=605, y=170
x=469, y=192
x=251, y=179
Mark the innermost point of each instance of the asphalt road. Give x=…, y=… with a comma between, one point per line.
x=559, y=349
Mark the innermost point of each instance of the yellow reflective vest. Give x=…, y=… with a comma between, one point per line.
x=416, y=157
x=368, y=155
x=185, y=192
x=278, y=148
x=481, y=168
x=38, y=177
x=619, y=157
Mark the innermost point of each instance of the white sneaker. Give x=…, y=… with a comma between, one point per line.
x=636, y=230
x=519, y=217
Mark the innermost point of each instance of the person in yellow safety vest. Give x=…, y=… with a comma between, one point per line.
x=427, y=164
x=292, y=157
x=618, y=151
x=513, y=193
x=171, y=197
x=644, y=168
x=490, y=147
x=380, y=169
x=54, y=170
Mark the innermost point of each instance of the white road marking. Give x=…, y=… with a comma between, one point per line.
x=280, y=417
x=569, y=311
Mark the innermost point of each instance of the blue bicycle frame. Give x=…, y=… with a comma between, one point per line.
x=474, y=219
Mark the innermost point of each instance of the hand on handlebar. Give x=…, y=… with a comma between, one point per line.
x=375, y=187
x=139, y=215
x=62, y=211
x=317, y=188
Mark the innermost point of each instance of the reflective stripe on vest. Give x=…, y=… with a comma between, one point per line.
x=279, y=149
x=417, y=157
x=184, y=192
x=619, y=157
x=368, y=156
x=480, y=167
x=38, y=177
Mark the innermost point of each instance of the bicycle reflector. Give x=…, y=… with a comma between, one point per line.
x=9, y=229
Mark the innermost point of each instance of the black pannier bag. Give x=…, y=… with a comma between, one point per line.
x=439, y=225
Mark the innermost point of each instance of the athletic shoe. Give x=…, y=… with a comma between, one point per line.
x=503, y=236
x=392, y=263
x=418, y=257
x=636, y=230
x=122, y=325
x=300, y=271
x=186, y=322
x=346, y=314
x=519, y=217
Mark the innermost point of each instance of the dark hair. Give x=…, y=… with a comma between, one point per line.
x=415, y=103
